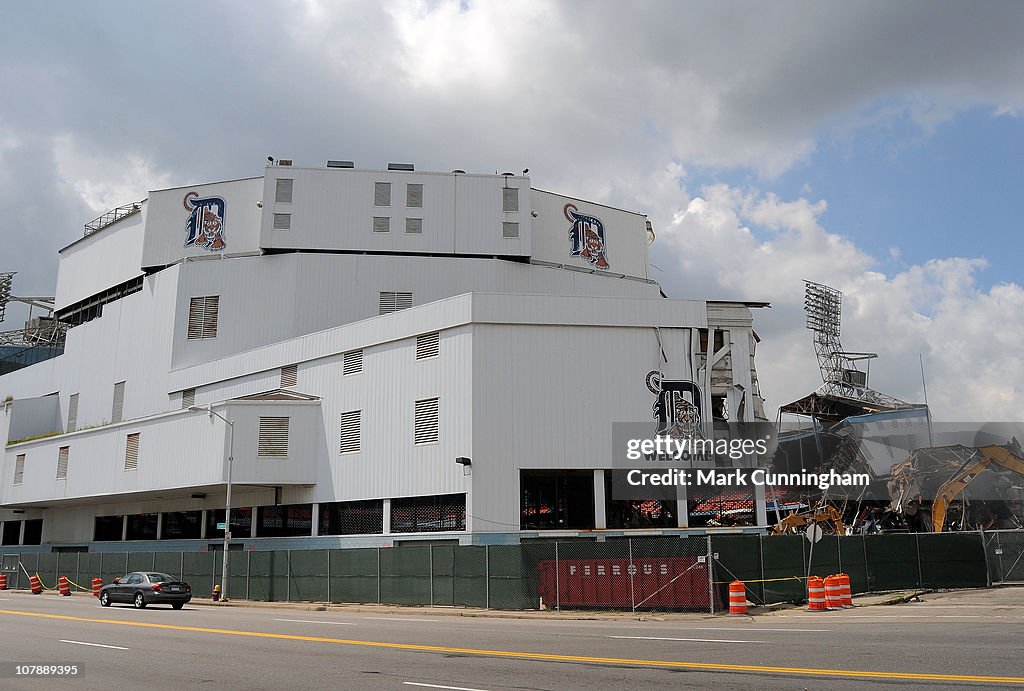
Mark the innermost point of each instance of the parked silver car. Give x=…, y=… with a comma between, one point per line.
x=142, y=588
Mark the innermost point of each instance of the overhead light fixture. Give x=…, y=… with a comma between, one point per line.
x=199, y=495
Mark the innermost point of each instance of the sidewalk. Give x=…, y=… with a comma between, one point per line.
x=867, y=600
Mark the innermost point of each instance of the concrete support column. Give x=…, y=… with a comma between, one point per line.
x=600, y=517
x=387, y=516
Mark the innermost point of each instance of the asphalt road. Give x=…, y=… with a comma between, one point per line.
x=948, y=638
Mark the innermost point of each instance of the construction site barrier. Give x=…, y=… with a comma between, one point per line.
x=847, y=594
x=737, y=598
x=833, y=593
x=815, y=594
x=3, y=581
x=97, y=583
x=35, y=585
x=63, y=586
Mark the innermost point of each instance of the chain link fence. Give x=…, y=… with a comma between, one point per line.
x=689, y=573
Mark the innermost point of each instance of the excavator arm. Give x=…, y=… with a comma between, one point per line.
x=988, y=455
x=827, y=514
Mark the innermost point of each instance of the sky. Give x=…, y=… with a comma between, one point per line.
x=873, y=146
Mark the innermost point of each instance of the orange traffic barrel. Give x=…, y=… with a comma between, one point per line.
x=847, y=594
x=815, y=594
x=833, y=593
x=97, y=583
x=35, y=585
x=737, y=598
x=3, y=581
x=63, y=586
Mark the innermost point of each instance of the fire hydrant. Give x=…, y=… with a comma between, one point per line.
x=216, y=593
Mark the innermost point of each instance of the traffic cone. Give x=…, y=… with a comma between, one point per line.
x=847, y=594
x=833, y=593
x=35, y=585
x=63, y=586
x=97, y=583
x=815, y=594
x=737, y=598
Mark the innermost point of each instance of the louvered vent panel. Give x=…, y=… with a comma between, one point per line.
x=509, y=230
x=273, y=441
x=427, y=345
x=284, y=191
x=203, y=313
x=414, y=225
x=282, y=221
x=381, y=224
x=196, y=308
x=352, y=362
x=211, y=315
x=117, y=409
x=382, y=194
x=188, y=398
x=392, y=302
x=19, y=469
x=414, y=195
x=350, y=427
x=73, y=413
x=425, y=428
x=289, y=376
x=131, y=452
x=510, y=199
x=62, y=462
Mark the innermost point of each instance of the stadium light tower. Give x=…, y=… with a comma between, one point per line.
x=839, y=373
x=6, y=279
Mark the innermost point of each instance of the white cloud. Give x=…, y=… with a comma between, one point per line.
x=733, y=243
x=105, y=180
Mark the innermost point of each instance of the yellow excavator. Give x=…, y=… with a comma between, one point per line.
x=827, y=516
x=987, y=455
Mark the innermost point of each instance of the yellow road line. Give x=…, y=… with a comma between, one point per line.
x=670, y=664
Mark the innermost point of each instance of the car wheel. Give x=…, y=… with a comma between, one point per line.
x=105, y=599
x=177, y=605
x=140, y=600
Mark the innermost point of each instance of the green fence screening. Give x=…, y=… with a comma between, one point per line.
x=636, y=572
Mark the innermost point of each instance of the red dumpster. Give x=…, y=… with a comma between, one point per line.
x=665, y=582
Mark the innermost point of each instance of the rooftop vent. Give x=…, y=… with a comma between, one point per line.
x=341, y=164
x=284, y=161
x=408, y=167
x=458, y=171
x=508, y=173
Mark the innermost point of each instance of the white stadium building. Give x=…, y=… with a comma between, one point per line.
x=366, y=358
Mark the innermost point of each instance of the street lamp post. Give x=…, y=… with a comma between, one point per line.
x=227, y=501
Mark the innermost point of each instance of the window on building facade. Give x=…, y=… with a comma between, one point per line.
x=509, y=230
x=426, y=424
x=33, y=532
x=382, y=194
x=12, y=533
x=203, y=313
x=352, y=517
x=414, y=226
x=188, y=398
x=108, y=528
x=182, y=525
x=428, y=514
x=141, y=526
x=282, y=221
x=294, y=520
x=556, y=499
x=381, y=224
x=241, y=522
